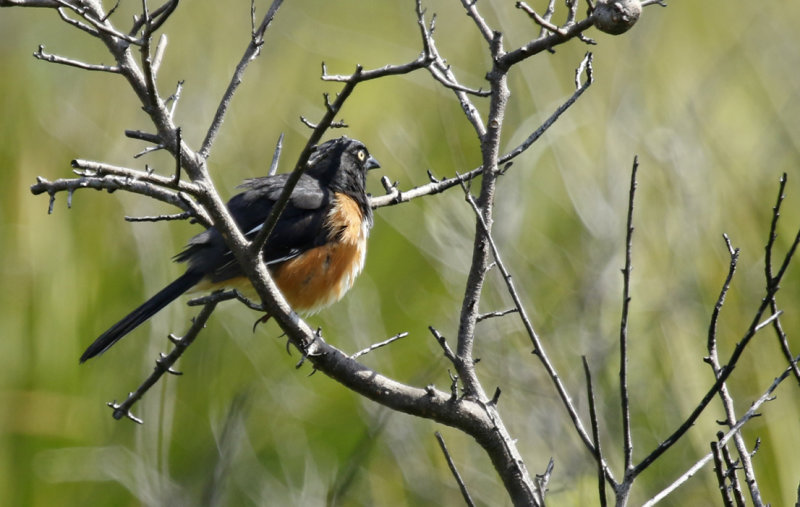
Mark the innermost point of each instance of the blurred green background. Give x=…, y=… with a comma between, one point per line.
x=706, y=93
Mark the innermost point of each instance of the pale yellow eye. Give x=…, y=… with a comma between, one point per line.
x=362, y=155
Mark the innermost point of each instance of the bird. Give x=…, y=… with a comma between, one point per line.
x=314, y=253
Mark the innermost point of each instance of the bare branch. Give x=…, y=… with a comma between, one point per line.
x=444, y=74
x=164, y=363
x=627, y=445
x=541, y=21
x=100, y=169
x=110, y=183
x=143, y=136
x=40, y=54
x=598, y=453
x=273, y=168
x=472, y=12
x=252, y=51
x=77, y=24
x=751, y=412
x=156, y=18
x=712, y=328
x=712, y=391
x=773, y=304
x=29, y=3
x=160, y=218
x=545, y=43
x=161, y=47
x=367, y=75
x=720, y=471
x=454, y=470
x=491, y=315
x=378, y=345
x=731, y=472
x=97, y=25
x=395, y=196
x=300, y=167
x=539, y=350
x=724, y=393
x=226, y=295
x=448, y=352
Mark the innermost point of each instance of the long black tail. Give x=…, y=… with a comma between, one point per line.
x=141, y=314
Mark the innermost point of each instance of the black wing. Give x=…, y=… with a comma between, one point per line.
x=299, y=228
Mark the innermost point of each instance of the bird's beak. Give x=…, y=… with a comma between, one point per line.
x=371, y=163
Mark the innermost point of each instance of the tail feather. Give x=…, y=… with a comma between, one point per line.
x=142, y=313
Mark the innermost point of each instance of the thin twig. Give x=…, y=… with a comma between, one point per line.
x=541, y=21
x=174, y=98
x=712, y=391
x=720, y=472
x=773, y=304
x=225, y=295
x=98, y=26
x=472, y=12
x=160, y=218
x=753, y=411
x=539, y=350
x=379, y=345
x=724, y=393
x=454, y=470
x=112, y=183
x=712, y=328
x=163, y=364
x=598, y=453
x=276, y=156
x=627, y=445
x=442, y=341
x=491, y=315
x=252, y=51
x=176, y=179
x=368, y=75
x=40, y=54
x=101, y=169
x=269, y=224
x=435, y=187
x=442, y=72
x=731, y=466
x=143, y=136
x=545, y=43
x=159, y=16
x=755, y=325
x=543, y=479
x=161, y=47
x=29, y=3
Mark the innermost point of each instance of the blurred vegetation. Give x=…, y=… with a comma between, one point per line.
x=704, y=92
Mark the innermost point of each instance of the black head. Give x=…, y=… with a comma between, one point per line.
x=342, y=164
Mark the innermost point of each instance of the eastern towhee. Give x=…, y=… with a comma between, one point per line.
x=314, y=253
